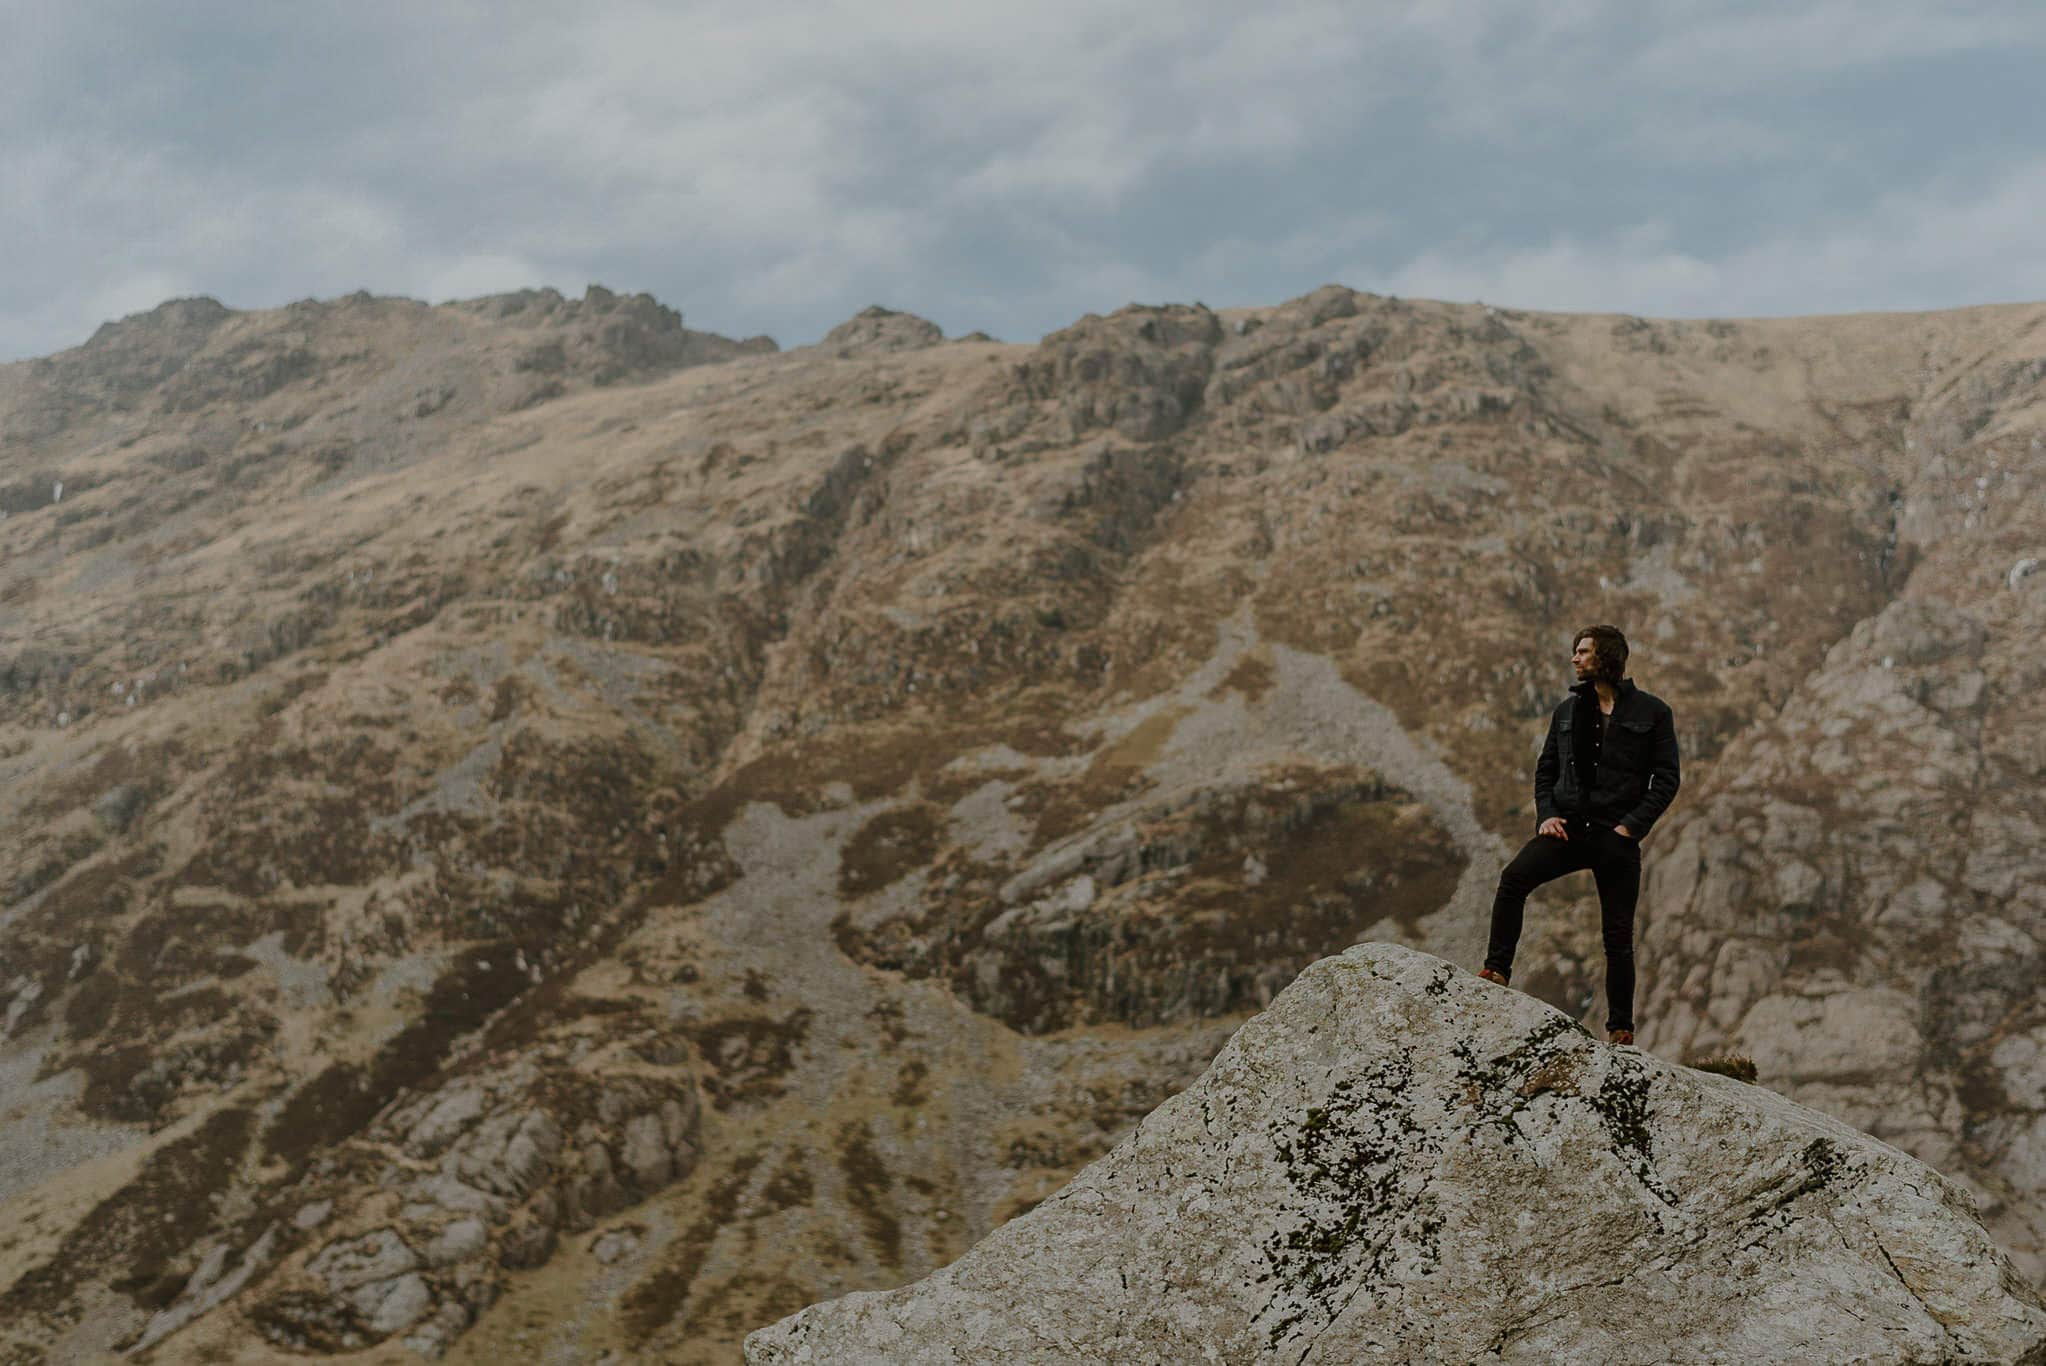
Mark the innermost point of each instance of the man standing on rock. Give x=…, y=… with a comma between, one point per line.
x=1607, y=771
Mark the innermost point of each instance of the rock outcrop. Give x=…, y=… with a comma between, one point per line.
x=479, y=1178
x=1398, y=1162
x=875, y=328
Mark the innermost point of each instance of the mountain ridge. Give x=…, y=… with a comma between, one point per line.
x=915, y=762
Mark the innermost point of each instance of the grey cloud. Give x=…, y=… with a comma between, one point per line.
x=1942, y=247
x=774, y=168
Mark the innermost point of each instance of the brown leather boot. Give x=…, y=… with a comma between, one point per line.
x=1491, y=976
x=1620, y=1036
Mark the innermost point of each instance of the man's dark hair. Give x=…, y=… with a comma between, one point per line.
x=1609, y=647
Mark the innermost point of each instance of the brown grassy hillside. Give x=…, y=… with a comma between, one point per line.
x=525, y=828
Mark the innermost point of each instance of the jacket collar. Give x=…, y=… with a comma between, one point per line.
x=1588, y=690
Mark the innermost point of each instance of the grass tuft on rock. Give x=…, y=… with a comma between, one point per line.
x=1739, y=1066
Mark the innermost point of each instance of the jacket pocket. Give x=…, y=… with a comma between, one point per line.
x=1632, y=741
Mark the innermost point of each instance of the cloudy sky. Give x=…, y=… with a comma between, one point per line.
x=775, y=165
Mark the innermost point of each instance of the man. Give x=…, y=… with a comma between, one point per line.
x=1607, y=771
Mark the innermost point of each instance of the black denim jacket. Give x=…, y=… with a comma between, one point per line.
x=1636, y=777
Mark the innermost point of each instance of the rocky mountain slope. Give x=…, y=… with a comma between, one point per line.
x=526, y=828
x=1395, y=1163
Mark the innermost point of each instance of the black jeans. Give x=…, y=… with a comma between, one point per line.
x=1615, y=861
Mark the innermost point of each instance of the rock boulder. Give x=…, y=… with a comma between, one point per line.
x=1398, y=1161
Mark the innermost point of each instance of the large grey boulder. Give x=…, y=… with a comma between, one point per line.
x=1397, y=1161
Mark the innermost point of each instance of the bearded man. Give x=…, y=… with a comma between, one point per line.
x=1608, y=771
